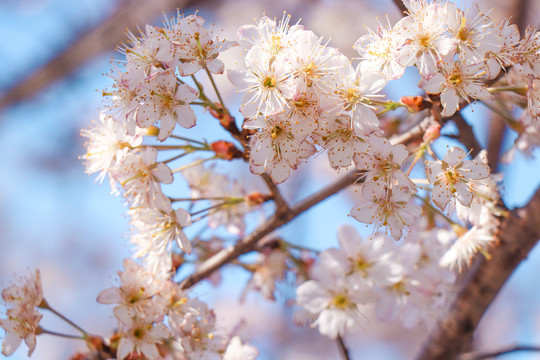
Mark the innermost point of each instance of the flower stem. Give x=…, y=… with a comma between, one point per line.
x=216, y=90
x=201, y=198
x=195, y=163
x=45, y=305
x=188, y=139
x=54, y=333
x=343, y=348
x=518, y=89
x=175, y=158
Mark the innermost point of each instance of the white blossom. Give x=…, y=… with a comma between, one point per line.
x=451, y=177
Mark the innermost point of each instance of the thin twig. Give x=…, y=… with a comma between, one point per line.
x=343, y=348
x=414, y=133
x=249, y=242
x=103, y=37
x=493, y=354
x=67, y=336
x=279, y=200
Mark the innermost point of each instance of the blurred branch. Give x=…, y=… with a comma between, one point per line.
x=490, y=355
x=343, y=348
x=497, y=130
x=105, y=37
x=497, y=127
x=517, y=234
x=281, y=204
x=466, y=134
x=402, y=8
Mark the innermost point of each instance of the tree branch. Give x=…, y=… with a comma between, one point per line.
x=517, y=234
x=400, y=6
x=248, y=243
x=493, y=354
x=466, y=134
x=281, y=205
x=104, y=37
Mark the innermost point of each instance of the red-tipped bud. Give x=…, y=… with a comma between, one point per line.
x=415, y=103
x=94, y=343
x=225, y=119
x=226, y=150
x=256, y=198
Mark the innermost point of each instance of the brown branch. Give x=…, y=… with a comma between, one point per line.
x=402, y=8
x=281, y=204
x=493, y=354
x=249, y=242
x=497, y=130
x=414, y=133
x=466, y=134
x=517, y=234
x=105, y=37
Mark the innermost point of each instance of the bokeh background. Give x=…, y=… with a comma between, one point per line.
x=53, y=54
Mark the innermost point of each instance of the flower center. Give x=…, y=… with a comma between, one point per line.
x=276, y=130
x=340, y=301
x=455, y=79
x=269, y=82
x=424, y=40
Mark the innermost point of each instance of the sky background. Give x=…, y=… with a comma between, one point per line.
x=56, y=218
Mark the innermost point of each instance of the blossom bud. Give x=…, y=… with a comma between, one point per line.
x=415, y=103
x=94, y=343
x=256, y=198
x=433, y=132
x=225, y=119
x=226, y=150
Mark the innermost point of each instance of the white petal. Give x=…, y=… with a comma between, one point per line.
x=450, y=101
x=185, y=116
x=433, y=85
x=163, y=173
x=110, y=296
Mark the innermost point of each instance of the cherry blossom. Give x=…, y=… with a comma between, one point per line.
x=378, y=52
x=266, y=84
x=279, y=146
x=108, y=144
x=238, y=351
x=22, y=323
x=457, y=80
x=391, y=208
x=423, y=36
x=139, y=335
x=30, y=292
x=140, y=176
x=167, y=100
x=452, y=176
x=194, y=46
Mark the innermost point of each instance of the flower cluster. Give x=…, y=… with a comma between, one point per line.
x=23, y=318
x=155, y=317
x=403, y=281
